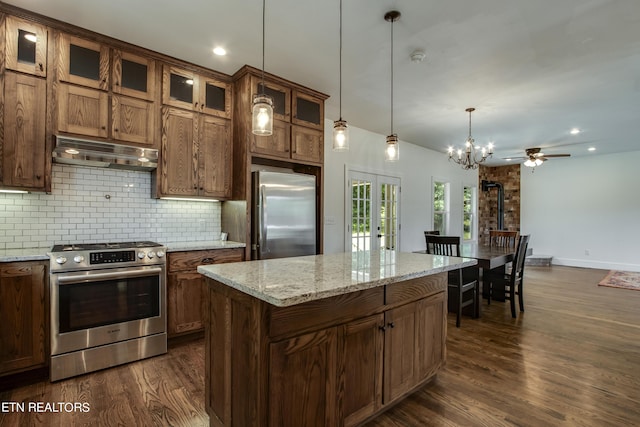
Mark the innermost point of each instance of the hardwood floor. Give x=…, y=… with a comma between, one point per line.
x=572, y=359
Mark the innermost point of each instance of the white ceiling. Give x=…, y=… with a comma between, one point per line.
x=532, y=69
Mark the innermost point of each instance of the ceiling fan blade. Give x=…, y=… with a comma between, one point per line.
x=557, y=155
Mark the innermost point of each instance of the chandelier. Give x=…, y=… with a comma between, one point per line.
x=469, y=158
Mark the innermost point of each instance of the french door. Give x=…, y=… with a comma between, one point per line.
x=373, y=204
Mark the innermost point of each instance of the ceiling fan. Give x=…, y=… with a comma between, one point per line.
x=535, y=157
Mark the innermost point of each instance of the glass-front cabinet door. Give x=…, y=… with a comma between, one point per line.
x=308, y=110
x=179, y=88
x=133, y=75
x=281, y=96
x=83, y=62
x=215, y=97
x=26, y=47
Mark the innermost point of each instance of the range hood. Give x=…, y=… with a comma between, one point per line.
x=83, y=152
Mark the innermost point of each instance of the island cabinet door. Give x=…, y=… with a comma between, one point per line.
x=431, y=320
x=360, y=349
x=302, y=380
x=399, y=351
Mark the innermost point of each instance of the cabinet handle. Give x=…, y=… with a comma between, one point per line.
x=207, y=260
x=391, y=325
x=196, y=105
x=116, y=129
x=103, y=127
x=41, y=67
x=382, y=328
x=38, y=177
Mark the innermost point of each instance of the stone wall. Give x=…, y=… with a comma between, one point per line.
x=509, y=177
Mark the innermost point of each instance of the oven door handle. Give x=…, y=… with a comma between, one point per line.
x=94, y=277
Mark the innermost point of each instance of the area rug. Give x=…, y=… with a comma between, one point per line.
x=621, y=279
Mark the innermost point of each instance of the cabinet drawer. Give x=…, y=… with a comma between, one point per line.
x=414, y=289
x=324, y=312
x=189, y=261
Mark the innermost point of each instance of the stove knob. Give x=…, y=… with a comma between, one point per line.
x=160, y=254
x=151, y=254
x=78, y=258
x=61, y=260
x=141, y=255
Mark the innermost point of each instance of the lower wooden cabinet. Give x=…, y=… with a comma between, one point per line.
x=332, y=362
x=361, y=376
x=185, y=286
x=23, y=332
x=303, y=380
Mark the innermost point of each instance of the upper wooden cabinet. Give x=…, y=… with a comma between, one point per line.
x=98, y=100
x=308, y=110
x=23, y=159
x=83, y=62
x=280, y=94
x=196, y=92
x=298, y=126
x=133, y=75
x=26, y=47
x=197, y=151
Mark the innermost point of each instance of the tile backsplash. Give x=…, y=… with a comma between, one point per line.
x=101, y=205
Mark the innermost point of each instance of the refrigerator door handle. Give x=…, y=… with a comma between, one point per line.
x=262, y=230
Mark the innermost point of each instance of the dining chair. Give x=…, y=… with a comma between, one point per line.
x=513, y=281
x=503, y=238
x=432, y=233
x=460, y=281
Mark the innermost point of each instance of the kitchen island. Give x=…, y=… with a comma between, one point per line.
x=326, y=340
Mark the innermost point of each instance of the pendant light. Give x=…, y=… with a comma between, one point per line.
x=262, y=110
x=392, y=150
x=340, y=128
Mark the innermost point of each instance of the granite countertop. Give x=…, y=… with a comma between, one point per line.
x=40, y=254
x=27, y=254
x=290, y=281
x=203, y=245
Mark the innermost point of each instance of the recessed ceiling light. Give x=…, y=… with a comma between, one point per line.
x=592, y=148
x=508, y=160
x=574, y=131
x=220, y=51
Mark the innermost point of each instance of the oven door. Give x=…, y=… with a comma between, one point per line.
x=93, y=308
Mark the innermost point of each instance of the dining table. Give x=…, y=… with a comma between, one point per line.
x=492, y=261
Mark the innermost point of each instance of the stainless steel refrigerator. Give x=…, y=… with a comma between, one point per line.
x=284, y=215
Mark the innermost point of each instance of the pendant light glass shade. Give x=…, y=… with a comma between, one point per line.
x=340, y=135
x=262, y=109
x=392, y=152
x=262, y=115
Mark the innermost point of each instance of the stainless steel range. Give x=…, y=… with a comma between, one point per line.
x=108, y=305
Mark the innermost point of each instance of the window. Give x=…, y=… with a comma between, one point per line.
x=469, y=206
x=441, y=206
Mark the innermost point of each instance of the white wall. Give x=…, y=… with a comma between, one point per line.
x=416, y=168
x=77, y=211
x=584, y=205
